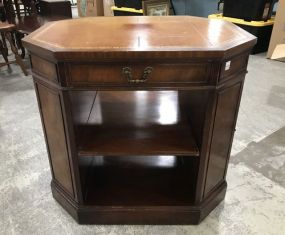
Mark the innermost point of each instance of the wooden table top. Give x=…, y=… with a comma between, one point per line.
x=4, y=26
x=133, y=35
x=28, y=24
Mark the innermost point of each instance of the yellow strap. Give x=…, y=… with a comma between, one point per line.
x=241, y=21
x=126, y=9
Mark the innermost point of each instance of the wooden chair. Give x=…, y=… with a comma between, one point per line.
x=6, y=31
x=26, y=20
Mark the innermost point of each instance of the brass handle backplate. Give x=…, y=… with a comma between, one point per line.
x=127, y=73
x=146, y=73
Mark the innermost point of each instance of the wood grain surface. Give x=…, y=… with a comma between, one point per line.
x=139, y=34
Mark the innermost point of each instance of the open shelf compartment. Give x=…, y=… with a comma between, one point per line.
x=140, y=181
x=120, y=123
x=137, y=148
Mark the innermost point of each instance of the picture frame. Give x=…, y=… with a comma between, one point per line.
x=156, y=7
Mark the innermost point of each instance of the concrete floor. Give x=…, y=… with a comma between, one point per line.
x=255, y=200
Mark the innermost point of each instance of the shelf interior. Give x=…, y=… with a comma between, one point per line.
x=141, y=181
x=119, y=123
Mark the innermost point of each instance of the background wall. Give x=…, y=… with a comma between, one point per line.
x=195, y=7
x=182, y=7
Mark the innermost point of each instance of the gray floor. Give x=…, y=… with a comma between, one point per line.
x=255, y=200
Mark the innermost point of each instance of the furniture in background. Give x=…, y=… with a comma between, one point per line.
x=261, y=29
x=2, y=12
x=249, y=10
x=126, y=11
x=28, y=20
x=6, y=32
x=254, y=16
x=55, y=8
x=143, y=7
x=139, y=125
x=156, y=7
x=127, y=8
x=135, y=4
x=278, y=34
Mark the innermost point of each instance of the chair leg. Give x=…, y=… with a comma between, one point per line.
x=3, y=52
x=19, y=36
x=4, y=44
x=18, y=58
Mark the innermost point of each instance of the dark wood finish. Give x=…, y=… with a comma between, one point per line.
x=4, y=49
x=44, y=68
x=83, y=103
x=6, y=31
x=132, y=140
x=51, y=109
x=57, y=8
x=164, y=215
x=140, y=38
x=30, y=19
x=147, y=131
x=30, y=23
x=125, y=181
x=144, y=121
x=71, y=144
x=161, y=73
x=237, y=65
x=226, y=113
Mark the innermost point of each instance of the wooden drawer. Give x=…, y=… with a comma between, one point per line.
x=112, y=74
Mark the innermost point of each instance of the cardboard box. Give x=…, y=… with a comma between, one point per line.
x=90, y=8
x=279, y=53
x=276, y=48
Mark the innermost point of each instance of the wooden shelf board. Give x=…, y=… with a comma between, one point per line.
x=130, y=140
x=141, y=181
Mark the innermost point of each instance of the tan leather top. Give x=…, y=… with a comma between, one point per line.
x=139, y=34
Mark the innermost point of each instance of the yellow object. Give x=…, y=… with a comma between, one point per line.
x=241, y=21
x=133, y=10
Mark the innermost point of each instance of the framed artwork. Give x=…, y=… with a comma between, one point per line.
x=156, y=7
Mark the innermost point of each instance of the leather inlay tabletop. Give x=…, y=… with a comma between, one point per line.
x=138, y=34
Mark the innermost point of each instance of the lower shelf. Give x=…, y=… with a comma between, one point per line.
x=141, y=181
x=120, y=123
x=148, y=214
x=130, y=140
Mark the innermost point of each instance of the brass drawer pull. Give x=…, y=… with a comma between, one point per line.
x=146, y=73
x=127, y=73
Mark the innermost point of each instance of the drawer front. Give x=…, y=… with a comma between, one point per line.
x=88, y=74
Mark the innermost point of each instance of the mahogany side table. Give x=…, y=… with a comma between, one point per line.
x=139, y=114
